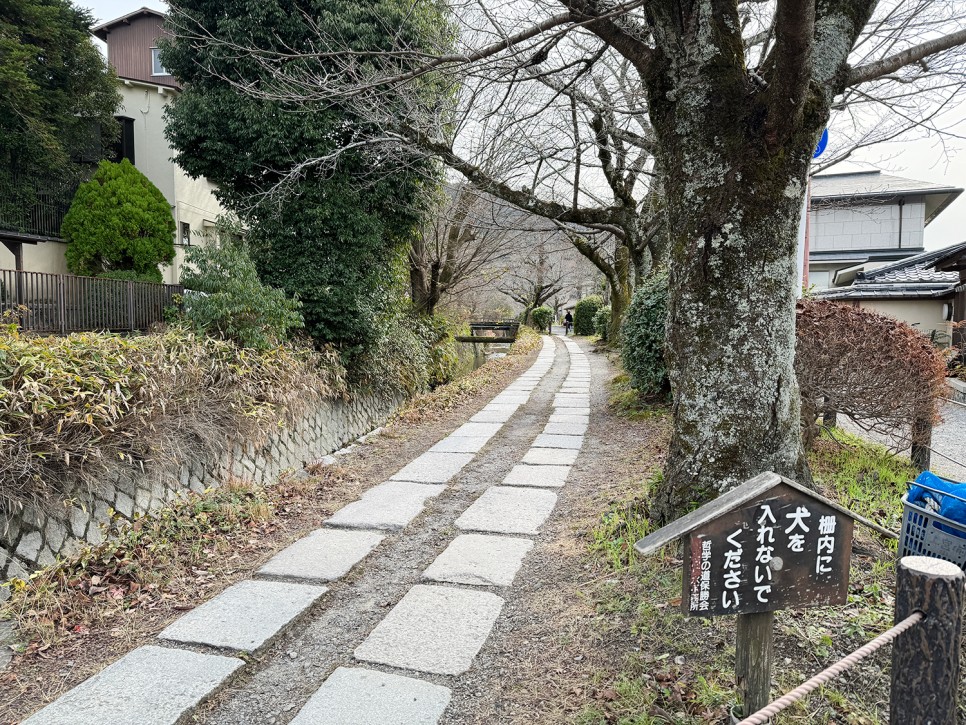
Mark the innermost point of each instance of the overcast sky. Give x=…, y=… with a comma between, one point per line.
x=938, y=161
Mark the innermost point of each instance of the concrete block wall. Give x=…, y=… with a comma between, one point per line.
x=866, y=227
x=35, y=537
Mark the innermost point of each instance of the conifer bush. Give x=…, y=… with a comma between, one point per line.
x=541, y=317
x=119, y=222
x=642, y=336
x=584, y=313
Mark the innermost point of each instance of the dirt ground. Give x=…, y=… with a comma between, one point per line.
x=43, y=673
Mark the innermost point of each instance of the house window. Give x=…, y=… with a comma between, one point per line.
x=186, y=234
x=123, y=145
x=156, y=68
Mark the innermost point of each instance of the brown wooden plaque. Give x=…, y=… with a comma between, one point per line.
x=784, y=549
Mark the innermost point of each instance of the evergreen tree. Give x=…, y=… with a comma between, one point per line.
x=56, y=98
x=336, y=239
x=119, y=224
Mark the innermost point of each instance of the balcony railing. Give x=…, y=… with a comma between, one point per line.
x=62, y=303
x=35, y=206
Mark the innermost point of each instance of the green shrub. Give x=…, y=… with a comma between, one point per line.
x=602, y=322
x=541, y=318
x=584, y=313
x=642, y=336
x=118, y=221
x=233, y=303
x=413, y=354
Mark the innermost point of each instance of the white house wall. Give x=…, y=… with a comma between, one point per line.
x=924, y=315
x=152, y=155
x=192, y=201
x=40, y=257
x=866, y=227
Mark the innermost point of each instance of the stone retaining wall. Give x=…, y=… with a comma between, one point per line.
x=35, y=537
x=956, y=390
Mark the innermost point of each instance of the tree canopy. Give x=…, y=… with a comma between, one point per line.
x=335, y=237
x=715, y=108
x=57, y=97
x=119, y=223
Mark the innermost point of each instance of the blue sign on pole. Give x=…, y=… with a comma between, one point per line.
x=822, y=143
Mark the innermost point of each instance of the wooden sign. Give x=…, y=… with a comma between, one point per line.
x=785, y=549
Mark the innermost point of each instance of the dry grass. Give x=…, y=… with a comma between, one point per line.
x=69, y=406
x=74, y=617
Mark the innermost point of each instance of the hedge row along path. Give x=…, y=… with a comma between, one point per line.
x=383, y=610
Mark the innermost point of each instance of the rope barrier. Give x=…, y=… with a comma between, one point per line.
x=943, y=455
x=762, y=716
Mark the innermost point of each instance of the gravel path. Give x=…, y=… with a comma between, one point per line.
x=948, y=441
x=431, y=556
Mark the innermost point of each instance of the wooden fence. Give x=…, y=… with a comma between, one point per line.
x=62, y=303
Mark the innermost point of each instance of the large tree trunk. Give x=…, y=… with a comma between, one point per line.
x=423, y=288
x=733, y=201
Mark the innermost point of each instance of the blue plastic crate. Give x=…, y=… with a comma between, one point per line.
x=926, y=533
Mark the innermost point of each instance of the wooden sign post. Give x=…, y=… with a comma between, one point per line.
x=766, y=545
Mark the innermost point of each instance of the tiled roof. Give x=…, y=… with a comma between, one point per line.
x=915, y=277
x=914, y=270
x=871, y=183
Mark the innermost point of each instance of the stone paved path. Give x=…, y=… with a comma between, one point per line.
x=441, y=537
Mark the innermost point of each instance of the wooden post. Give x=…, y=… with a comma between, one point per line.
x=921, y=440
x=753, y=660
x=925, y=659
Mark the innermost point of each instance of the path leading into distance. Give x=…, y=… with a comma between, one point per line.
x=385, y=606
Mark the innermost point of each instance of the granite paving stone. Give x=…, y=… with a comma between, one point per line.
x=550, y=457
x=539, y=476
x=245, y=616
x=500, y=407
x=461, y=444
x=433, y=467
x=571, y=401
x=493, y=416
x=149, y=686
x=388, y=506
x=565, y=429
x=477, y=429
x=567, y=418
x=479, y=559
x=545, y=440
x=433, y=629
x=360, y=696
x=510, y=399
x=508, y=510
x=572, y=411
x=323, y=555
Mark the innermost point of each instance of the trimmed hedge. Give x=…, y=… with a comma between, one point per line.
x=541, y=318
x=584, y=313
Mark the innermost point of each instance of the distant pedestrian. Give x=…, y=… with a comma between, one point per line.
x=568, y=323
